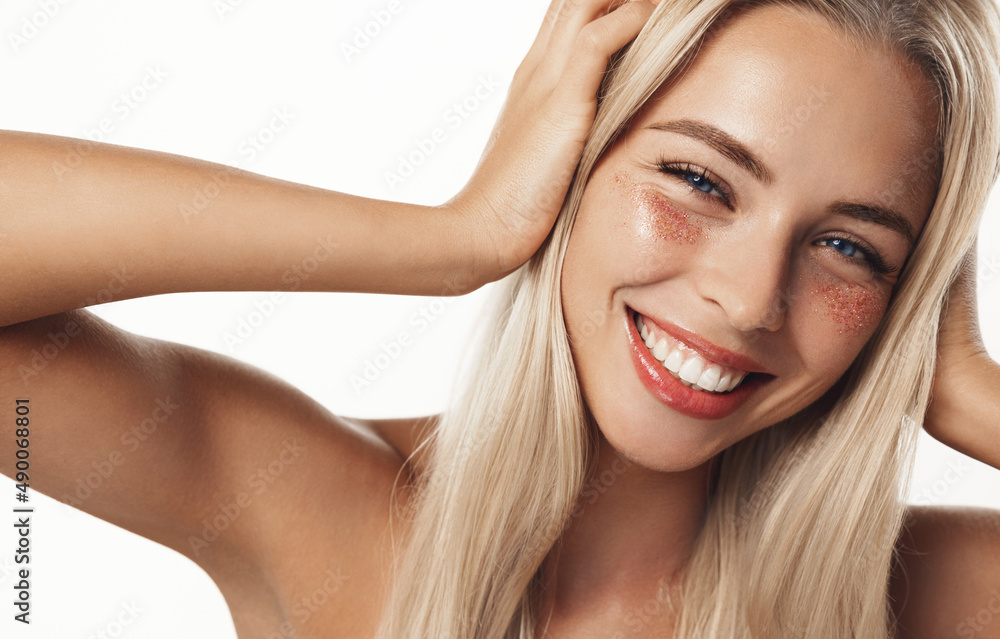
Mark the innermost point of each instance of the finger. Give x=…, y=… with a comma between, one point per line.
x=594, y=45
x=562, y=24
x=543, y=36
x=573, y=16
x=542, y=51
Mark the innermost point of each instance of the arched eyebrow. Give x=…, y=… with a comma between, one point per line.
x=737, y=152
x=879, y=215
x=722, y=142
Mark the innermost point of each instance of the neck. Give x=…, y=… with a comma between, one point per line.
x=628, y=538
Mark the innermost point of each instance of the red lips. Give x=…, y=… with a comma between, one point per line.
x=670, y=391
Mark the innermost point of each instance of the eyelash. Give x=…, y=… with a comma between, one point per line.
x=871, y=260
x=681, y=169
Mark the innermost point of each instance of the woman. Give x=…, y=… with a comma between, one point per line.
x=802, y=324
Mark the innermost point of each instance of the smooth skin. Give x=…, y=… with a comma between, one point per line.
x=226, y=418
x=747, y=282
x=750, y=271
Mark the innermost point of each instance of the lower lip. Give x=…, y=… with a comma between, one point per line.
x=669, y=390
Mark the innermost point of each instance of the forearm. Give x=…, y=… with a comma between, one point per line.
x=968, y=417
x=135, y=223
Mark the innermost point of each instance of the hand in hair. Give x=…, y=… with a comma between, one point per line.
x=965, y=398
x=523, y=176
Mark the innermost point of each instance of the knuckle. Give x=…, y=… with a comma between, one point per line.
x=591, y=39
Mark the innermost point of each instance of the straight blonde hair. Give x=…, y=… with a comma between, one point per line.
x=802, y=518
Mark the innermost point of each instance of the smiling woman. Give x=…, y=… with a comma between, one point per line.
x=749, y=323
x=788, y=272
x=732, y=245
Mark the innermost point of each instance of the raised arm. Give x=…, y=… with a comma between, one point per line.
x=83, y=219
x=965, y=399
x=162, y=438
x=85, y=222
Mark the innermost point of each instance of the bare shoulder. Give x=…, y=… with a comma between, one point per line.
x=947, y=583
x=304, y=500
x=285, y=505
x=407, y=436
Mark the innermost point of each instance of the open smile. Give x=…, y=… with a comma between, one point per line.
x=695, y=379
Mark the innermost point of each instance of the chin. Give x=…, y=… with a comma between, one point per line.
x=659, y=444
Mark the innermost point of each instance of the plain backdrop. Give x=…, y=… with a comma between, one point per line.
x=326, y=93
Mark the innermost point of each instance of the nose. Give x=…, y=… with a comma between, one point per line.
x=747, y=274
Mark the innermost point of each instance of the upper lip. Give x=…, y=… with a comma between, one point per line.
x=713, y=352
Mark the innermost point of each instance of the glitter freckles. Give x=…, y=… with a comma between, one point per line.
x=668, y=221
x=852, y=307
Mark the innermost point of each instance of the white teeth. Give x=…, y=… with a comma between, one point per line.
x=736, y=381
x=660, y=350
x=690, y=369
x=709, y=379
x=674, y=361
x=723, y=384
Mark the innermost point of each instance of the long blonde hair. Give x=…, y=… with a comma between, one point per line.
x=802, y=518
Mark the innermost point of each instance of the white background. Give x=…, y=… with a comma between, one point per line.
x=222, y=71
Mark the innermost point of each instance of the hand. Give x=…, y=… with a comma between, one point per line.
x=518, y=188
x=958, y=336
x=964, y=396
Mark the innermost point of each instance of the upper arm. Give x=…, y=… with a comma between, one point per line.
x=195, y=450
x=949, y=585
x=111, y=430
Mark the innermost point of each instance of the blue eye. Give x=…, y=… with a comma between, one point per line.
x=843, y=246
x=698, y=179
x=858, y=253
x=699, y=182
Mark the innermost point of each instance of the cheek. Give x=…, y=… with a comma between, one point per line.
x=830, y=327
x=655, y=216
x=850, y=308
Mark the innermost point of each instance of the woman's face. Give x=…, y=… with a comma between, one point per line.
x=757, y=212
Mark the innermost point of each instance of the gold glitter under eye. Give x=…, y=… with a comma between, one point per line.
x=852, y=307
x=669, y=222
